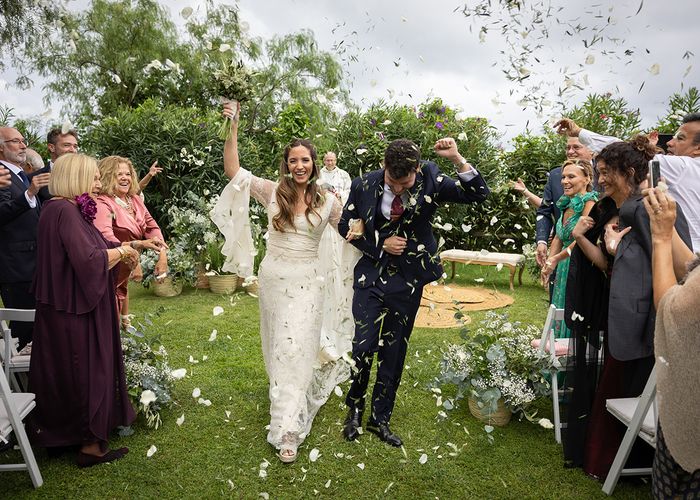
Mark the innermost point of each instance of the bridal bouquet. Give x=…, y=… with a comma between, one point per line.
x=232, y=82
x=496, y=362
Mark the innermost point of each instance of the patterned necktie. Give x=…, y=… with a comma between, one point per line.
x=24, y=178
x=396, y=209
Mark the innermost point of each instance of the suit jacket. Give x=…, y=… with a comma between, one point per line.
x=18, y=223
x=420, y=262
x=548, y=213
x=631, y=313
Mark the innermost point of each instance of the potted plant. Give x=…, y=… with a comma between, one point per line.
x=219, y=280
x=181, y=270
x=496, y=368
x=190, y=224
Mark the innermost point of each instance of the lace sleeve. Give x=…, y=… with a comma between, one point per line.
x=262, y=189
x=336, y=212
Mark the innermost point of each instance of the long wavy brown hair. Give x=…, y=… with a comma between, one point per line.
x=109, y=167
x=287, y=193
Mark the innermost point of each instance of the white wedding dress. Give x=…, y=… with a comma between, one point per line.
x=305, y=293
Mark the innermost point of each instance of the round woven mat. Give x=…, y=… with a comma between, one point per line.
x=437, y=306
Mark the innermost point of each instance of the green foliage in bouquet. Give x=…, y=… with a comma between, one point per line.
x=182, y=266
x=496, y=361
x=233, y=82
x=149, y=378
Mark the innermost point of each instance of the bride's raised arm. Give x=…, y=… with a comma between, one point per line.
x=232, y=164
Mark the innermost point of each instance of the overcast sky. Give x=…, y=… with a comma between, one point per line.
x=408, y=50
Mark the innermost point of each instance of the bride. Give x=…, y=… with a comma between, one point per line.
x=305, y=355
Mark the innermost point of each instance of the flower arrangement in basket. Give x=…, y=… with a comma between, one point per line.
x=232, y=82
x=181, y=264
x=149, y=378
x=496, y=364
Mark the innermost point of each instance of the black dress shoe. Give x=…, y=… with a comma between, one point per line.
x=352, y=424
x=85, y=460
x=384, y=433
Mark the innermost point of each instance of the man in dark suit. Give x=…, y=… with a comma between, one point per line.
x=400, y=255
x=58, y=144
x=19, y=216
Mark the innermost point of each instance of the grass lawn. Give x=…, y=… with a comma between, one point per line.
x=211, y=455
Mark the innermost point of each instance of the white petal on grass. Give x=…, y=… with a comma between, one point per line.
x=179, y=373
x=180, y=420
x=196, y=392
x=338, y=391
x=328, y=484
x=479, y=280
x=204, y=402
x=212, y=337
x=151, y=451
x=361, y=466
x=546, y=423
x=466, y=228
x=499, y=266
x=224, y=47
x=423, y=459
x=494, y=219
x=218, y=310
x=314, y=454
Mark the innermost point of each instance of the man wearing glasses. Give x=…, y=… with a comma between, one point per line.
x=19, y=216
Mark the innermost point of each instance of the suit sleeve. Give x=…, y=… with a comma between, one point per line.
x=11, y=207
x=545, y=214
x=473, y=190
x=370, y=245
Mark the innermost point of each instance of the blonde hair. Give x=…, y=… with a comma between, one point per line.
x=109, y=167
x=584, y=165
x=72, y=175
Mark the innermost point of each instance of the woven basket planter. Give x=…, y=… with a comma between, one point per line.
x=223, y=283
x=202, y=281
x=167, y=288
x=500, y=418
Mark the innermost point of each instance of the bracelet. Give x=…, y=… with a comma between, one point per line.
x=122, y=253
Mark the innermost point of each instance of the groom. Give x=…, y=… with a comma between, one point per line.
x=400, y=255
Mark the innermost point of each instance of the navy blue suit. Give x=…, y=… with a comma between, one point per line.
x=548, y=212
x=18, y=224
x=388, y=288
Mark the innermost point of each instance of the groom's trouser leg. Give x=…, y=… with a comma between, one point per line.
x=401, y=301
x=367, y=305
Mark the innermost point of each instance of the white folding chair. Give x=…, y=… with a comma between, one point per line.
x=556, y=348
x=639, y=415
x=14, y=408
x=15, y=364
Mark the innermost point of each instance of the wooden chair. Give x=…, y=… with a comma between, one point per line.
x=14, y=363
x=556, y=348
x=14, y=407
x=639, y=415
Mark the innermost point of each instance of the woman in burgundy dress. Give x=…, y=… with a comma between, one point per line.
x=122, y=216
x=77, y=368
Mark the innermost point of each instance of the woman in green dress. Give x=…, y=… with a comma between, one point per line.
x=578, y=199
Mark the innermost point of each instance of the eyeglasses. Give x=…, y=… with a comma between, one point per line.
x=18, y=141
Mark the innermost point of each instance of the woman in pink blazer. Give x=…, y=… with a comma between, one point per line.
x=122, y=216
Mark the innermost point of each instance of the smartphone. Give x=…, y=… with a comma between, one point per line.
x=654, y=173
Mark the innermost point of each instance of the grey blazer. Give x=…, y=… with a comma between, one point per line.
x=631, y=313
